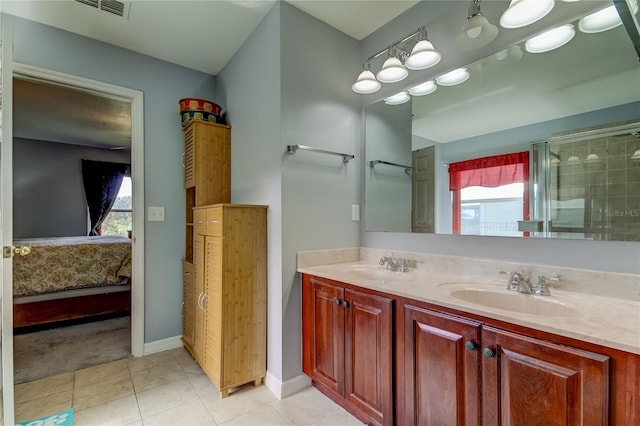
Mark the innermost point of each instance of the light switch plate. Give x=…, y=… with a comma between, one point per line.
x=355, y=213
x=156, y=214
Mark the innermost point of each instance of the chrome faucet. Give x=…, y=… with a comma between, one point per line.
x=522, y=284
x=394, y=264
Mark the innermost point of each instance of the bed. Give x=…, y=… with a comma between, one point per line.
x=71, y=278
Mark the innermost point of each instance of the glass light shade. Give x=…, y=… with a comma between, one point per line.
x=573, y=160
x=551, y=39
x=521, y=13
x=423, y=88
x=423, y=55
x=475, y=33
x=392, y=71
x=636, y=155
x=592, y=159
x=454, y=77
x=599, y=21
x=366, y=83
x=397, y=99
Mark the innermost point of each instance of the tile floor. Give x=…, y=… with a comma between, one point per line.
x=167, y=388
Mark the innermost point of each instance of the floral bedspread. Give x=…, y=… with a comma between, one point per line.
x=64, y=263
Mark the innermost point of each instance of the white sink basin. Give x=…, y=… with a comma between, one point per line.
x=496, y=296
x=377, y=273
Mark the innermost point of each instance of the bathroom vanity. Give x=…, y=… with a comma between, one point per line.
x=433, y=346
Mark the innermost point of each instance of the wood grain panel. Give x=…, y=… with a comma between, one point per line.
x=212, y=162
x=188, y=305
x=534, y=382
x=369, y=355
x=199, y=278
x=440, y=373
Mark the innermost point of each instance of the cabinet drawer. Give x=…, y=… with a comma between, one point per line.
x=199, y=221
x=214, y=222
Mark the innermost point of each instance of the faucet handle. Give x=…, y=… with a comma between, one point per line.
x=514, y=280
x=542, y=289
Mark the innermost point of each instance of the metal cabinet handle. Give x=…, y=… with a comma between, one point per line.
x=182, y=307
x=200, y=300
x=204, y=296
x=345, y=304
x=213, y=221
x=338, y=302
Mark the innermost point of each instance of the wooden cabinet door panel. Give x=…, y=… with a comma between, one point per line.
x=528, y=381
x=198, y=293
x=323, y=336
x=369, y=354
x=441, y=374
x=214, y=311
x=188, y=304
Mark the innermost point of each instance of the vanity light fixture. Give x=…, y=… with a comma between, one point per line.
x=397, y=99
x=636, y=155
x=457, y=76
x=366, y=82
x=392, y=70
x=521, y=13
x=422, y=89
x=551, y=39
x=477, y=31
x=414, y=52
x=423, y=55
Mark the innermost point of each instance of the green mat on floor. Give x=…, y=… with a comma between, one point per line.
x=63, y=418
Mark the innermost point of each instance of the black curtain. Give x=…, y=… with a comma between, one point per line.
x=102, y=182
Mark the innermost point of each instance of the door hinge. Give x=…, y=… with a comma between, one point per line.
x=7, y=252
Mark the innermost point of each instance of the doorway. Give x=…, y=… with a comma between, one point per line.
x=134, y=99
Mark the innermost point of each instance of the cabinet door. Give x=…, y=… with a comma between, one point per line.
x=188, y=305
x=369, y=354
x=214, y=310
x=199, y=271
x=442, y=369
x=528, y=381
x=323, y=333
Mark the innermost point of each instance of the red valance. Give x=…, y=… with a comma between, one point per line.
x=490, y=172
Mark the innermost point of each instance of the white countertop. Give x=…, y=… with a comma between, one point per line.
x=595, y=318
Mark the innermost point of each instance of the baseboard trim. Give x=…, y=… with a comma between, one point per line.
x=162, y=345
x=285, y=389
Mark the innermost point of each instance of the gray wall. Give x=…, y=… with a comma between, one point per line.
x=48, y=195
x=163, y=85
x=388, y=188
x=296, y=96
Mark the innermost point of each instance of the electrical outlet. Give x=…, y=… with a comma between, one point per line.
x=156, y=214
x=355, y=213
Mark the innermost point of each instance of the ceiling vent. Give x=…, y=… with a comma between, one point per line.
x=120, y=8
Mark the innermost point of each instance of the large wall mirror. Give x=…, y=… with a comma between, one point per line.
x=561, y=129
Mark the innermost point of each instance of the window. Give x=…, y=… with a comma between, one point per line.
x=490, y=194
x=120, y=218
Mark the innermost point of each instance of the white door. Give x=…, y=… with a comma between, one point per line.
x=6, y=214
x=423, y=182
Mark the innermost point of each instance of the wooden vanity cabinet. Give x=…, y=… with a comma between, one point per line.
x=459, y=371
x=441, y=369
x=348, y=349
x=528, y=381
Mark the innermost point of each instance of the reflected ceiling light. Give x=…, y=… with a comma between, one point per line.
x=392, y=70
x=636, y=155
x=601, y=20
x=592, y=159
x=366, y=82
x=423, y=55
x=397, y=99
x=551, y=39
x=454, y=77
x=521, y=13
x=477, y=31
x=423, y=88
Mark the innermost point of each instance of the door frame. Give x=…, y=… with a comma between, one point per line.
x=135, y=97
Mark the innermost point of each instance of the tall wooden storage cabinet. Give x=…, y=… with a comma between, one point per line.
x=230, y=256
x=224, y=270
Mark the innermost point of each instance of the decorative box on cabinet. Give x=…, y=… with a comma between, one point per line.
x=230, y=263
x=347, y=341
x=461, y=372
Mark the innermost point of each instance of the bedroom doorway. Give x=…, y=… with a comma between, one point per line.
x=58, y=81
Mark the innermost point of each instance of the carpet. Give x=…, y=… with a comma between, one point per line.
x=63, y=418
x=62, y=350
